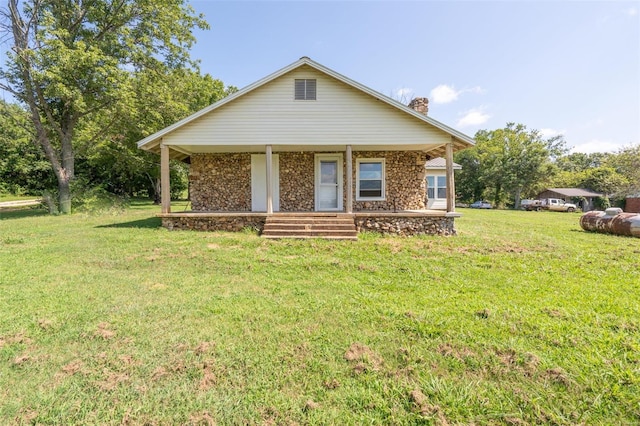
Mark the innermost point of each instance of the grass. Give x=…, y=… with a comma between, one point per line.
x=520, y=319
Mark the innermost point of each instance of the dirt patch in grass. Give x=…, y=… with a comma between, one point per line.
x=204, y=348
x=21, y=359
x=331, y=384
x=112, y=379
x=209, y=378
x=203, y=418
x=557, y=375
x=526, y=363
x=363, y=358
x=73, y=367
x=45, y=324
x=458, y=353
x=421, y=404
x=104, y=331
x=26, y=416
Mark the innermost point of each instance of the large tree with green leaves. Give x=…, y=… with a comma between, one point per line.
x=72, y=61
x=23, y=167
x=508, y=162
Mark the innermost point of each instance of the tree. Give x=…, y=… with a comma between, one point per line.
x=114, y=160
x=469, y=185
x=23, y=168
x=514, y=160
x=71, y=61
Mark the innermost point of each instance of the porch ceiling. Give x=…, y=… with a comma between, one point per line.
x=182, y=152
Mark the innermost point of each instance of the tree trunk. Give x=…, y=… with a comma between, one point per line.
x=496, y=197
x=64, y=196
x=517, y=201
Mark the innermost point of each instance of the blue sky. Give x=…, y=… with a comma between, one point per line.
x=559, y=67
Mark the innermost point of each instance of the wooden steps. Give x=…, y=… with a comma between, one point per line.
x=332, y=226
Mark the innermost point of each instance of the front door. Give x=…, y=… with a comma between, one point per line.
x=259, y=182
x=328, y=182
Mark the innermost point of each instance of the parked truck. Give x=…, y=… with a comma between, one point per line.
x=552, y=204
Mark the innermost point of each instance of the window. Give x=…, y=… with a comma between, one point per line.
x=370, y=179
x=305, y=90
x=436, y=187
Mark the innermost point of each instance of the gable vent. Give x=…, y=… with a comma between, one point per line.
x=305, y=90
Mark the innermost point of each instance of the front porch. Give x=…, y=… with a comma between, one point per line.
x=405, y=223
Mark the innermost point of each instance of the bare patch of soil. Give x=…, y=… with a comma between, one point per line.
x=558, y=375
x=112, y=379
x=458, y=353
x=311, y=405
x=209, y=378
x=45, y=324
x=422, y=405
x=202, y=419
x=104, y=331
x=363, y=357
x=26, y=416
x=204, y=348
x=73, y=367
x=554, y=313
x=331, y=384
x=21, y=359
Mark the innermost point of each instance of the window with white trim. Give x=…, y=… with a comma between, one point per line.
x=370, y=180
x=436, y=187
x=305, y=89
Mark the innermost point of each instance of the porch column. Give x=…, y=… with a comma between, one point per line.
x=165, y=191
x=269, y=181
x=349, y=181
x=451, y=187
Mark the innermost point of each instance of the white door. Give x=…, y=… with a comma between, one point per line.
x=328, y=182
x=259, y=182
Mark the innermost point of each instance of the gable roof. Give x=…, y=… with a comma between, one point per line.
x=440, y=164
x=575, y=192
x=460, y=140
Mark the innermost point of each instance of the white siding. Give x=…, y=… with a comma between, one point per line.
x=436, y=203
x=341, y=115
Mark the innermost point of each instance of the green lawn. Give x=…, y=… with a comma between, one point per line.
x=520, y=319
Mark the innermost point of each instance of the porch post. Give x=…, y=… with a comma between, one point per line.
x=451, y=187
x=349, y=181
x=269, y=181
x=165, y=191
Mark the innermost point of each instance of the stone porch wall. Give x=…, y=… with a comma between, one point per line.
x=233, y=223
x=220, y=182
x=297, y=181
x=406, y=226
x=405, y=185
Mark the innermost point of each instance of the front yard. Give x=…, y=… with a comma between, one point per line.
x=522, y=318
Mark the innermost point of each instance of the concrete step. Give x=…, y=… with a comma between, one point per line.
x=307, y=226
x=323, y=225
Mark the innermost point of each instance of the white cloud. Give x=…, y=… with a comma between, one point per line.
x=596, y=145
x=473, y=117
x=632, y=11
x=549, y=133
x=443, y=93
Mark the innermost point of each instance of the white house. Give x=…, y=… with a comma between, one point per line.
x=308, y=141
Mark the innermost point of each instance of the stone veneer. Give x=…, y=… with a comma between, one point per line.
x=297, y=181
x=405, y=184
x=222, y=182
x=233, y=223
x=406, y=225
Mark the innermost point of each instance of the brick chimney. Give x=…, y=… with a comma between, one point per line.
x=420, y=104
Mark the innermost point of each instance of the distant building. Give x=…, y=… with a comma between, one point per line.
x=584, y=199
